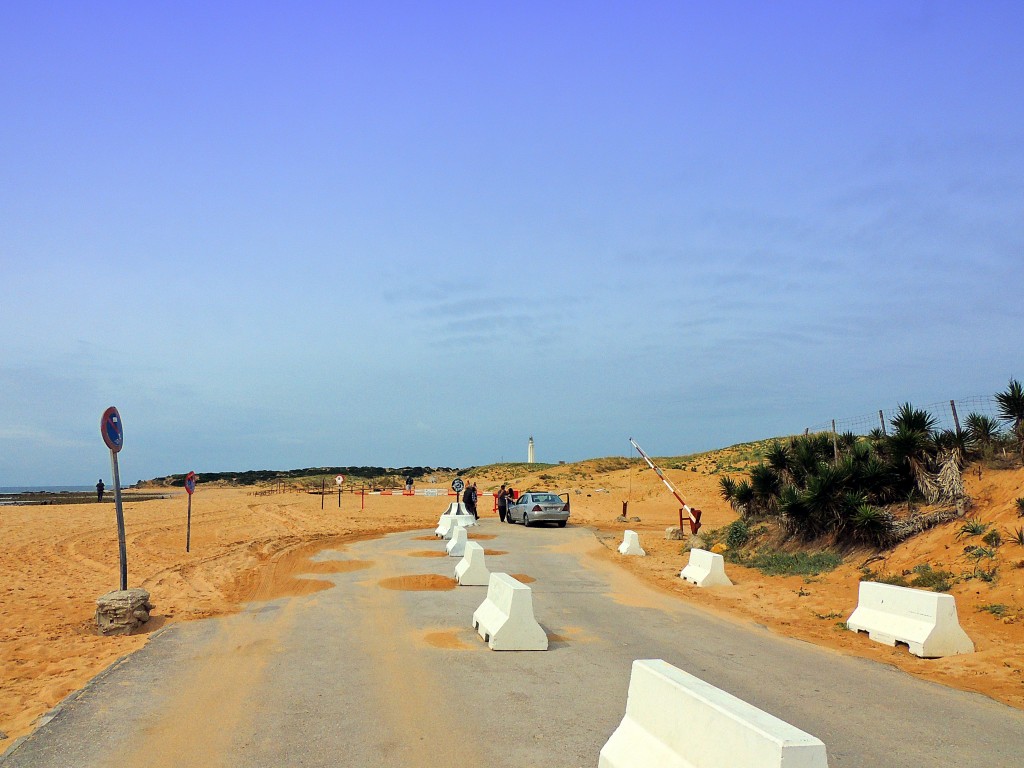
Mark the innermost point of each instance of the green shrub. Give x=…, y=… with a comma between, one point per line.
x=1020, y=507
x=773, y=563
x=993, y=538
x=996, y=609
x=972, y=527
x=926, y=578
x=737, y=534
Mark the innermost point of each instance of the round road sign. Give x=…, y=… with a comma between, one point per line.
x=190, y=482
x=339, y=479
x=111, y=429
x=458, y=485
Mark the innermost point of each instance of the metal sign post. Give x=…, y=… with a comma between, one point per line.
x=339, y=480
x=323, y=490
x=112, y=432
x=190, y=487
x=694, y=514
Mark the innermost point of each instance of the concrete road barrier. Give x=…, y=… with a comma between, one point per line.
x=472, y=569
x=631, y=544
x=706, y=569
x=926, y=621
x=456, y=514
x=457, y=545
x=675, y=720
x=505, y=618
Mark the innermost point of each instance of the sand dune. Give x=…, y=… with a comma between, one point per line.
x=58, y=559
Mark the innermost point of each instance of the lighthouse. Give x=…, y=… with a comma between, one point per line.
x=529, y=451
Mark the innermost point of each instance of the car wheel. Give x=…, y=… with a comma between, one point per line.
x=526, y=520
x=561, y=523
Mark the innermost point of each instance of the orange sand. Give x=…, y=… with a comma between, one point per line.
x=58, y=559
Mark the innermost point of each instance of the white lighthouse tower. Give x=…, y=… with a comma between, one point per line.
x=529, y=451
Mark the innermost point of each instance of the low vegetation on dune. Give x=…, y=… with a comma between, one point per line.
x=874, y=489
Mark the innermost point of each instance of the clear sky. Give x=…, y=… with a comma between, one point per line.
x=293, y=234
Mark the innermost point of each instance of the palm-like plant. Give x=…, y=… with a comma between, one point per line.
x=1011, y=409
x=982, y=431
x=766, y=485
x=912, y=446
x=726, y=487
x=779, y=458
x=910, y=419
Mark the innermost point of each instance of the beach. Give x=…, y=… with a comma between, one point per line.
x=245, y=547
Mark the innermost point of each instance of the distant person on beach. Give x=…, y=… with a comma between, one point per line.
x=408, y=483
x=99, y=490
x=502, y=503
x=469, y=499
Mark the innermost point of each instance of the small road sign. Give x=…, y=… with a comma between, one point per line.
x=339, y=479
x=458, y=485
x=112, y=429
x=190, y=483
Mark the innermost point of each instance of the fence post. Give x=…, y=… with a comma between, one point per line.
x=956, y=419
x=881, y=420
x=835, y=443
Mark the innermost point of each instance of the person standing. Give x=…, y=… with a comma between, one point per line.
x=502, y=503
x=469, y=498
x=99, y=490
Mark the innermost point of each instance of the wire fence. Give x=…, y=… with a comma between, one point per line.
x=946, y=414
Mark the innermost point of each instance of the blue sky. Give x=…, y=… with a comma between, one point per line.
x=280, y=235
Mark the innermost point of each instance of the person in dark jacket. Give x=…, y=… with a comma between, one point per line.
x=502, y=503
x=99, y=490
x=469, y=497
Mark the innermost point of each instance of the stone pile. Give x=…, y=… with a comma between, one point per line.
x=122, y=611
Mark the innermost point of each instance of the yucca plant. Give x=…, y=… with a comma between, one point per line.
x=972, y=527
x=982, y=431
x=766, y=485
x=1011, y=409
x=726, y=487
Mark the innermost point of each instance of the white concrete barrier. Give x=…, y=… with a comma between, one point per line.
x=505, y=618
x=456, y=514
x=472, y=569
x=675, y=720
x=457, y=546
x=926, y=621
x=631, y=544
x=706, y=569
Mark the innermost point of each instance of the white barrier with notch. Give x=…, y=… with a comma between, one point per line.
x=505, y=618
x=926, y=621
x=676, y=720
x=472, y=568
x=706, y=569
x=456, y=547
x=456, y=514
x=631, y=544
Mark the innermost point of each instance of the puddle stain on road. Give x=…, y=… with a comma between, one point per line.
x=427, y=582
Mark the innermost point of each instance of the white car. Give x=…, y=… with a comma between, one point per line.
x=539, y=507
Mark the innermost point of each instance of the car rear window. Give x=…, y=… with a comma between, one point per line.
x=547, y=498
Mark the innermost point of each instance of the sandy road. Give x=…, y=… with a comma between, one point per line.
x=384, y=670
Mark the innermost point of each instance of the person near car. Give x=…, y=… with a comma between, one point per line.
x=510, y=499
x=502, y=503
x=469, y=499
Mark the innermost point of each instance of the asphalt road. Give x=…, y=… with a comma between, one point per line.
x=366, y=675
